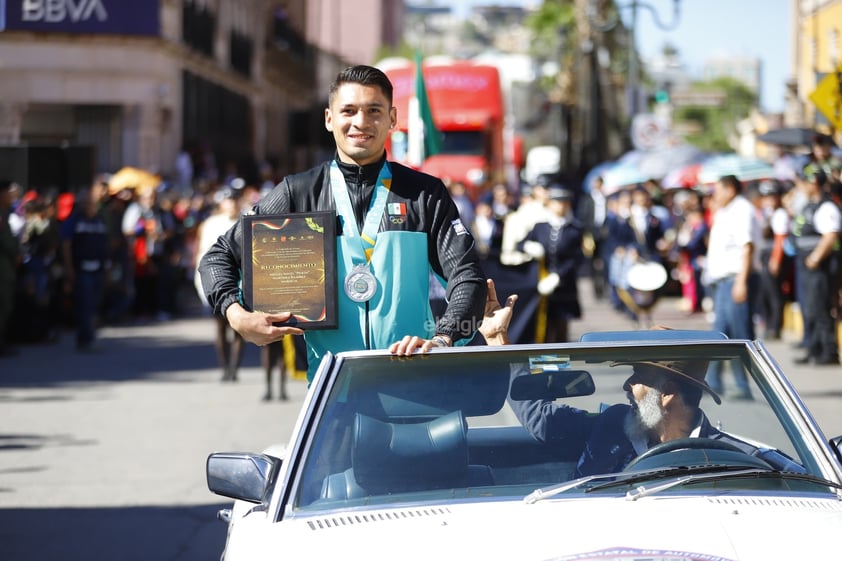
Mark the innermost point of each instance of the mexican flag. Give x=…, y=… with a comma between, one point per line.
x=424, y=138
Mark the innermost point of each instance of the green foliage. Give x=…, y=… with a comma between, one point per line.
x=550, y=25
x=551, y=15
x=472, y=34
x=715, y=125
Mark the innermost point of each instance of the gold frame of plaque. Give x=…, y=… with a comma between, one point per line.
x=289, y=265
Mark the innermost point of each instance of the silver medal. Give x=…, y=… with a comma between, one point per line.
x=360, y=284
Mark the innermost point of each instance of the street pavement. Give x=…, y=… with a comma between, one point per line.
x=102, y=455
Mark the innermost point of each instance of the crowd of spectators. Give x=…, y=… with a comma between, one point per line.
x=663, y=234
x=151, y=244
x=146, y=259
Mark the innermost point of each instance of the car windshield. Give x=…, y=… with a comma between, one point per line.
x=470, y=424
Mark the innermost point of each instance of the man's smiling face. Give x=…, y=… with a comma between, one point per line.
x=360, y=118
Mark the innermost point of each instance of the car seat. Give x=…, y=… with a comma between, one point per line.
x=393, y=457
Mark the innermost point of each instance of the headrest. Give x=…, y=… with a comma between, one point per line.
x=395, y=457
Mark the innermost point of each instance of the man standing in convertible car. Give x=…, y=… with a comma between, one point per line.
x=410, y=216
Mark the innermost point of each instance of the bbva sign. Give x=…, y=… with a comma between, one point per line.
x=121, y=17
x=54, y=11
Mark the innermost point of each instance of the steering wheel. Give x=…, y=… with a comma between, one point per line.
x=684, y=444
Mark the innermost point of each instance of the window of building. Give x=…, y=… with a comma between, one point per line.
x=198, y=26
x=241, y=48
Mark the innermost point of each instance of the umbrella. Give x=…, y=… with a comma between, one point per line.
x=595, y=172
x=621, y=175
x=682, y=177
x=657, y=163
x=744, y=168
x=132, y=178
x=631, y=157
x=789, y=136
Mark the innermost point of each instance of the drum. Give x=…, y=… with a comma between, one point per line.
x=646, y=276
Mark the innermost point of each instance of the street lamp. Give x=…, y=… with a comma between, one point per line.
x=634, y=68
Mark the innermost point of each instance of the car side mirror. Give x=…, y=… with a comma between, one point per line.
x=241, y=476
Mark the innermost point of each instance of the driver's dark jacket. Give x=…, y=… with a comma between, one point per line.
x=601, y=437
x=420, y=232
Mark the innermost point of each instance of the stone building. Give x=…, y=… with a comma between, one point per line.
x=89, y=86
x=816, y=56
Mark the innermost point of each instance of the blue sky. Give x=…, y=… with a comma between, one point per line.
x=706, y=28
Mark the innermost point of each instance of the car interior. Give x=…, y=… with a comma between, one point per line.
x=395, y=429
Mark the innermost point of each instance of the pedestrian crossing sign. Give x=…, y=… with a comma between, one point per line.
x=827, y=97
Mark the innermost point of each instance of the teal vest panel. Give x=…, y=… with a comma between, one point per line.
x=400, y=307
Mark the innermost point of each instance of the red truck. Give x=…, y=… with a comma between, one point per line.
x=466, y=101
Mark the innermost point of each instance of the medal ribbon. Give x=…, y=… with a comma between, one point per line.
x=361, y=252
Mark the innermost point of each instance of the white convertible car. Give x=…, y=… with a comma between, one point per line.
x=536, y=452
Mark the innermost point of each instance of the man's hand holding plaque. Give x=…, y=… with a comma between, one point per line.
x=289, y=270
x=260, y=328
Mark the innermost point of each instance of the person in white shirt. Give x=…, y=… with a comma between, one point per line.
x=229, y=344
x=517, y=224
x=731, y=272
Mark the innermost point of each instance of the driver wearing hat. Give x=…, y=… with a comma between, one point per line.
x=664, y=398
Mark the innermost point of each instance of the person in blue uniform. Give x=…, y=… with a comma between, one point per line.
x=558, y=241
x=816, y=230
x=84, y=239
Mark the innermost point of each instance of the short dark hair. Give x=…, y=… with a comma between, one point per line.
x=733, y=182
x=819, y=177
x=363, y=75
x=823, y=139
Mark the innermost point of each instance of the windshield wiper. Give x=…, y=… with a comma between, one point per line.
x=640, y=491
x=687, y=475
x=548, y=492
x=753, y=473
x=639, y=476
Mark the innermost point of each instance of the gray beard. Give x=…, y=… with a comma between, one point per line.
x=647, y=415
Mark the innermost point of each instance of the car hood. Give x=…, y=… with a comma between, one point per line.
x=652, y=528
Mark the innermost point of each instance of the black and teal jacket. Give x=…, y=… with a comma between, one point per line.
x=420, y=232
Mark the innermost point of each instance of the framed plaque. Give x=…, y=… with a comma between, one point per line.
x=289, y=265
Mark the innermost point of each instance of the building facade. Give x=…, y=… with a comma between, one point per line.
x=817, y=52
x=89, y=86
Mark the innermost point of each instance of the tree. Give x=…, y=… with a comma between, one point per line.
x=715, y=125
x=552, y=27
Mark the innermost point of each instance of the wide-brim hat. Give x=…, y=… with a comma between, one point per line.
x=693, y=371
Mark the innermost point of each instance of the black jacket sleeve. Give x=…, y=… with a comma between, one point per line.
x=220, y=267
x=453, y=255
